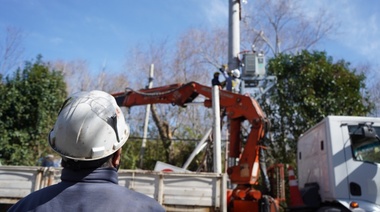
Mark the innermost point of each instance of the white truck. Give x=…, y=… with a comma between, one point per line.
x=339, y=164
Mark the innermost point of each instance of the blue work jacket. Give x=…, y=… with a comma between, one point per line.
x=87, y=190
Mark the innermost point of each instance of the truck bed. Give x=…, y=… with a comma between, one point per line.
x=175, y=191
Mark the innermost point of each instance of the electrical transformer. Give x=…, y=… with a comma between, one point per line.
x=253, y=66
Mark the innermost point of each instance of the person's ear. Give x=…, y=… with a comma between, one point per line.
x=116, y=158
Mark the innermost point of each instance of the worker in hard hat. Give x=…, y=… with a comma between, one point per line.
x=215, y=80
x=48, y=161
x=228, y=77
x=235, y=80
x=88, y=134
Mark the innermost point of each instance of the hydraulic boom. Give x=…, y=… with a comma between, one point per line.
x=238, y=108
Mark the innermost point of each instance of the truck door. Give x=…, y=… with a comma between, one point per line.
x=362, y=151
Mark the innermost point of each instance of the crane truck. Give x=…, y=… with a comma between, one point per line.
x=239, y=109
x=338, y=162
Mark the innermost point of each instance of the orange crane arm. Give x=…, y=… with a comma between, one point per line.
x=238, y=109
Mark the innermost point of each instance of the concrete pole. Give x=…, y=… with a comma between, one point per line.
x=146, y=123
x=233, y=34
x=217, y=134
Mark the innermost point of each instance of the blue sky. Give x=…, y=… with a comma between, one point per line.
x=100, y=32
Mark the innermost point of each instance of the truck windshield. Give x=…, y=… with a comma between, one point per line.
x=364, y=147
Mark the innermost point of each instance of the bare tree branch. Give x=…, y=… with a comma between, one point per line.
x=11, y=50
x=283, y=26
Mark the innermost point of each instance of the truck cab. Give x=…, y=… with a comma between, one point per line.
x=339, y=164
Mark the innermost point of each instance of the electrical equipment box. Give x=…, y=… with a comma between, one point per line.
x=253, y=65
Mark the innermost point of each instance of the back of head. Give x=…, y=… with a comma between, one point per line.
x=90, y=126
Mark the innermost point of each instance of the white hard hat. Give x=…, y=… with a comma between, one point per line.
x=90, y=126
x=236, y=73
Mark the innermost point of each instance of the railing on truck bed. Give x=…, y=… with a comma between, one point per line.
x=175, y=191
x=18, y=181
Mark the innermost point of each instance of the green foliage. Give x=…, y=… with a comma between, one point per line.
x=154, y=152
x=310, y=87
x=182, y=151
x=29, y=103
x=130, y=154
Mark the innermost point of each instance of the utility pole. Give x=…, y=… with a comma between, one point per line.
x=233, y=54
x=233, y=34
x=146, y=123
x=216, y=135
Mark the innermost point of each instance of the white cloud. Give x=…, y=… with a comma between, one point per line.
x=369, y=37
x=216, y=12
x=56, y=40
x=361, y=33
x=358, y=25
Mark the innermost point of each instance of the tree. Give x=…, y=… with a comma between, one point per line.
x=277, y=26
x=372, y=77
x=310, y=87
x=78, y=77
x=188, y=63
x=76, y=74
x=29, y=103
x=10, y=50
